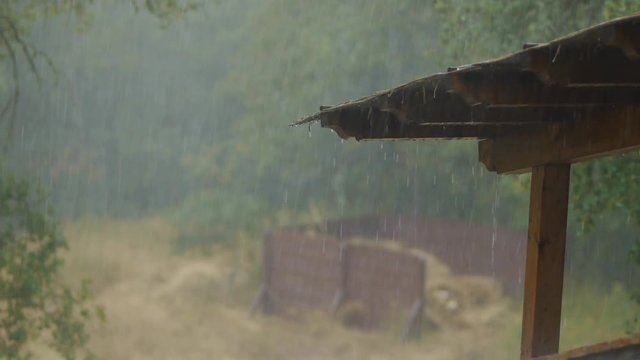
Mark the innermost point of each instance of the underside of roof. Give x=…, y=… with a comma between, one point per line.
x=584, y=77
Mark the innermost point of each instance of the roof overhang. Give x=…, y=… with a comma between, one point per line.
x=574, y=98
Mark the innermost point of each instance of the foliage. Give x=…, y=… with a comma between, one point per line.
x=477, y=30
x=339, y=50
x=215, y=217
x=591, y=314
x=193, y=119
x=358, y=45
x=633, y=324
x=616, y=8
x=34, y=305
x=167, y=11
x=16, y=21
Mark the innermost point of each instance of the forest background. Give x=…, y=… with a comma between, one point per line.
x=132, y=109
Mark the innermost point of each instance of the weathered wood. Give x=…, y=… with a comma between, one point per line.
x=599, y=65
x=517, y=87
x=545, y=260
x=411, y=119
x=591, y=64
x=337, y=301
x=604, y=134
x=262, y=298
x=412, y=327
x=386, y=126
x=259, y=301
x=625, y=348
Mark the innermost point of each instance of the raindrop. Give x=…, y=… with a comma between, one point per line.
x=495, y=228
x=557, y=53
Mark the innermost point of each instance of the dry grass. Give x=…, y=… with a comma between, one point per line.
x=163, y=306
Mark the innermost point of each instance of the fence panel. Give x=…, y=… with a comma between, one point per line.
x=307, y=270
x=302, y=271
x=465, y=248
x=387, y=282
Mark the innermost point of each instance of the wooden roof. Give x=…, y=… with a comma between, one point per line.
x=549, y=103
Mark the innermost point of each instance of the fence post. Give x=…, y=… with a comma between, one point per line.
x=413, y=327
x=267, y=258
x=342, y=294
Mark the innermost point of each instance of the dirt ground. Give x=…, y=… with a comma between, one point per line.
x=161, y=305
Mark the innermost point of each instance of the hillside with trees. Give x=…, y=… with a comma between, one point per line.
x=130, y=110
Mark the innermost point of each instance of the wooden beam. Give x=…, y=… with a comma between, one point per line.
x=606, y=133
x=481, y=122
x=541, y=114
x=625, y=348
x=627, y=38
x=544, y=270
x=583, y=65
x=386, y=126
x=517, y=87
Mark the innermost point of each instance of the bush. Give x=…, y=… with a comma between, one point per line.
x=34, y=305
x=633, y=325
x=215, y=217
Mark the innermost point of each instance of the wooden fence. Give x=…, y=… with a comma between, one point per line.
x=305, y=270
x=466, y=248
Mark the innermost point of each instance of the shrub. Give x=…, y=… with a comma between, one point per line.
x=34, y=305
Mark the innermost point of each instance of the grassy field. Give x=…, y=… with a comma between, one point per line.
x=194, y=306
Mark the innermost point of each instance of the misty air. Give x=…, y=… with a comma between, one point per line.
x=285, y=179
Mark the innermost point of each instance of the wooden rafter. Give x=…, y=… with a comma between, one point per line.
x=607, y=133
x=524, y=87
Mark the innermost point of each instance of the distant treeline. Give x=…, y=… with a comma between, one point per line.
x=190, y=118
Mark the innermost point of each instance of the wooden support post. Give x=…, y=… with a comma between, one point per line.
x=545, y=260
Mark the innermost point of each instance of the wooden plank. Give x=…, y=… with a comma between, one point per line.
x=518, y=87
x=604, y=134
x=412, y=120
x=544, y=270
x=412, y=327
x=260, y=300
x=267, y=260
x=590, y=64
x=625, y=348
x=385, y=126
